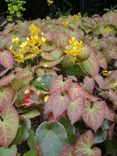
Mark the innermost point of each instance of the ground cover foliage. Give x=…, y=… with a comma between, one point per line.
x=58, y=87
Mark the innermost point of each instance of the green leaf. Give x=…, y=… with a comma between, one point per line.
x=43, y=82
x=69, y=129
x=100, y=137
x=12, y=151
x=31, y=114
x=52, y=138
x=111, y=146
x=32, y=139
x=23, y=132
x=32, y=152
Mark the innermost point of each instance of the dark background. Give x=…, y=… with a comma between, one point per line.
x=40, y=9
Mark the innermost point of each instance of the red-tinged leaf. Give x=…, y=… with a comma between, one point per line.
x=88, y=84
x=93, y=114
x=75, y=109
x=6, y=80
x=76, y=91
x=109, y=113
x=9, y=122
x=68, y=151
x=58, y=84
x=48, y=104
x=87, y=65
x=59, y=104
x=6, y=96
x=6, y=59
x=84, y=145
x=29, y=99
x=39, y=150
x=100, y=81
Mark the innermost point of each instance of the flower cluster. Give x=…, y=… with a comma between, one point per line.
x=29, y=48
x=74, y=48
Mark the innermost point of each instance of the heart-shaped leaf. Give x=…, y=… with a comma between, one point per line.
x=68, y=151
x=9, y=122
x=6, y=59
x=93, y=114
x=75, y=109
x=84, y=145
x=88, y=84
x=6, y=96
x=52, y=138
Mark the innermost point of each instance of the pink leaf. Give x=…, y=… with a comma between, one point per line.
x=88, y=84
x=93, y=114
x=84, y=145
x=9, y=122
x=76, y=91
x=75, y=109
x=59, y=104
x=6, y=59
x=100, y=81
x=6, y=80
x=59, y=85
x=6, y=96
x=109, y=113
x=68, y=151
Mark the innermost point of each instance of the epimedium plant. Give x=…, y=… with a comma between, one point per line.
x=58, y=87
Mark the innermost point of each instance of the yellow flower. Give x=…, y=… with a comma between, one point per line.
x=50, y=2
x=65, y=23
x=77, y=17
x=106, y=72
x=108, y=29
x=16, y=41
x=34, y=30
x=74, y=48
x=46, y=98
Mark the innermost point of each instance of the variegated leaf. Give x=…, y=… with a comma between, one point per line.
x=75, y=109
x=6, y=96
x=6, y=80
x=68, y=151
x=93, y=114
x=6, y=59
x=83, y=146
x=9, y=122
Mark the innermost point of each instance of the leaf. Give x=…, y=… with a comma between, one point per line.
x=87, y=65
x=52, y=138
x=23, y=132
x=70, y=129
x=22, y=77
x=109, y=113
x=60, y=85
x=100, y=137
x=75, y=109
x=9, y=123
x=12, y=151
x=6, y=96
x=93, y=114
x=6, y=59
x=6, y=80
x=30, y=114
x=83, y=146
x=111, y=146
x=59, y=104
x=76, y=91
x=32, y=152
x=68, y=151
x=88, y=84
x=43, y=82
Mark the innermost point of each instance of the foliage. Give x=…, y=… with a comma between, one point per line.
x=15, y=9
x=58, y=87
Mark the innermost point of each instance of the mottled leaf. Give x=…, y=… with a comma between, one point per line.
x=68, y=151
x=84, y=145
x=93, y=114
x=88, y=84
x=6, y=59
x=75, y=109
x=6, y=96
x=6, y=80
x=9, y=122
